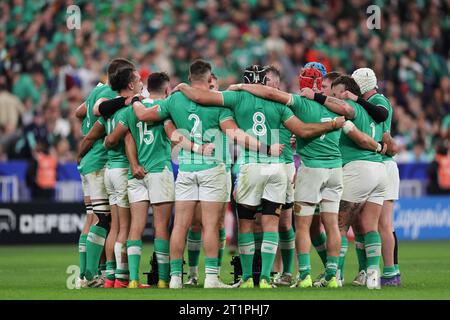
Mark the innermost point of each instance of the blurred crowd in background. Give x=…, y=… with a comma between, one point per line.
x=47, y=70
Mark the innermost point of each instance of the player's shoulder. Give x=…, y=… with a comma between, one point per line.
x=380, y=99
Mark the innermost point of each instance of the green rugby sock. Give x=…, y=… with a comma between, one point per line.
x=222, y=244
x=94, y=247
x=246, y=244
x=194, y=244
x=134, y=251
x=287, y=248
x=332, y=266
x=162, y=256
x=360, y=251
x=82, y=253
x=373, y=249
x=110, y=270
x=268, y=252
x=304, y=265
x=319, y=243
x=342, y=253
x=176, y=267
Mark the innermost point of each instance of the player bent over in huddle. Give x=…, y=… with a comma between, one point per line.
x=367, y=81
x=91, y=165
x=200, y=178
x=262, y=179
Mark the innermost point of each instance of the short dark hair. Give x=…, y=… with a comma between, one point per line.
x=156, y=81
x=117, y=64
x=349, y=84
x=121, y=78
x=198, y=70
x=274, y=70
x=214, y=76
x=333, y=75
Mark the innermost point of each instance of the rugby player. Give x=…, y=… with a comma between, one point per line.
x=91, y=167
x=367, y=81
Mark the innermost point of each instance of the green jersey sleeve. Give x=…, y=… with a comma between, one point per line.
x=163, y=108
x=285, y=113
x=122, y=115
x=299, y=105
x=231, y=98
x=225, y=114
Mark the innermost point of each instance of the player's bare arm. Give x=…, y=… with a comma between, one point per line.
x=241, y=138
x=178, y=139
x=96, y=132
x=144, y=114
x=311, y=130
x=263, y=91
x=201, y=96
x=392, y=147
x=137, y=170
x=333, y=104
x=81, y=111
x=114, y=137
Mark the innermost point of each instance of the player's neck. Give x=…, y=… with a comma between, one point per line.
x=126, y=93
x=157, y=96
x=200, y=85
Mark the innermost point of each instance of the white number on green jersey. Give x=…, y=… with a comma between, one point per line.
x=259, y=127
x=195, y=129
x=372, y=126
x=324, y=120
x=110, y=125
x=145, y=134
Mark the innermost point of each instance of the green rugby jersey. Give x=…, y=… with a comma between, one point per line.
x=350, y=150
x=152, y=144
x=259, y=118
x=285, y=138
x=380, y=100
x=97, y=156
x=317, y=152
x=117, y=157
x=201, y=125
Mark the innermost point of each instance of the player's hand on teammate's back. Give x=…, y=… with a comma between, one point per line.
x=177, y=87
x=276, y=149
x=307, y=93
x=348, y=95
x=208, y=149
x=138, y=172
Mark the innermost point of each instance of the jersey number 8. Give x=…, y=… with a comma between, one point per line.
x=259, y=127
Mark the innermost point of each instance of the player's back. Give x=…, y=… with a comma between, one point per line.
x=153, y=145
x=349, y=149
x=321, y=151
x=200, y=124
x=259, y=118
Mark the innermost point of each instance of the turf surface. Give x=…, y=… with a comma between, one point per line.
x=40, y=272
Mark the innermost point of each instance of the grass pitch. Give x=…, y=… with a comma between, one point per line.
x=40, y=272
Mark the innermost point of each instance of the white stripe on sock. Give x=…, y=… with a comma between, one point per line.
x=134, y=250
x=95, y=238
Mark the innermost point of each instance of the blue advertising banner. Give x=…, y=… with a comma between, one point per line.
x=426, y=218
